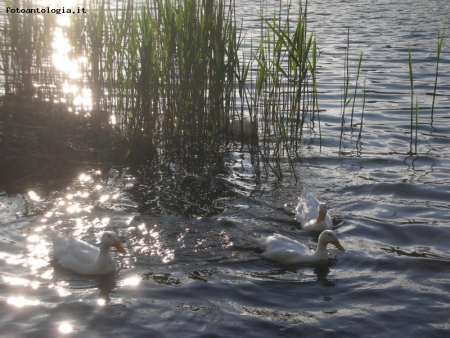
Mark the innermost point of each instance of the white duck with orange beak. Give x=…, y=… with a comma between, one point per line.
x=285, y=250
x=84, y=258
x=312, y=214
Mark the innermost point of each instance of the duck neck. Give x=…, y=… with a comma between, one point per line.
x=321, y=251
x=104, y=252
x=321, y=246
x=320, y=217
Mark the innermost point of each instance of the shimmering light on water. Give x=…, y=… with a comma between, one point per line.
x=131, y=281
x=143, y=228
x=150, y=242
x=47, y=274
x=15, y=260
x=21, y=282
x=16, y=281
x=101, y=223
x=22, y=301
x=33, y=196
x=103, y=198
x=69, y=88
x=85, y=178
x=62, y=292
x=64, y=59
x=65, y=328
x=101, y=302
x=74, y=208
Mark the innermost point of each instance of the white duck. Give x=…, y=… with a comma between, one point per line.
x=284, y=250
x=84, y=258
x=311, y=213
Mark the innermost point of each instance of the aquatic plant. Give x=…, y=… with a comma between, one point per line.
x=356, y=87
x=171, y=78
x=25, y=51
x=346, y=100
x=167, y=72
x=440, y=42
x=358, y=141
x=284, y=92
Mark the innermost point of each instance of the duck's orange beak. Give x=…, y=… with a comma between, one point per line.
x=338, y=245
x=119, y=247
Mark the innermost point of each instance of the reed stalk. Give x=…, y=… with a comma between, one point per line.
x=26, y=49
x=356, y=87
x=440, y=42
x=315, y=102
x=287, y=75
x=358, y=141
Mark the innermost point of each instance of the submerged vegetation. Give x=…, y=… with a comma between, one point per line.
x=171, y=82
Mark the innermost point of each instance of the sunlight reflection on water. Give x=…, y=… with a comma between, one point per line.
x=131, y=281
x=22, y=301
x=64, y=60
x=149, y=242
x=65, y=328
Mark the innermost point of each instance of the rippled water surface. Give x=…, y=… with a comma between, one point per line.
x=202, y=277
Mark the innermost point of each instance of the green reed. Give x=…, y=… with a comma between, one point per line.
x=312, y=64
x=347, y=99
x=168, y=71
x=284, y=91
x=358, y=141
x=440, y=42
x=25, y=50
x=358, y=70
x=172, y=72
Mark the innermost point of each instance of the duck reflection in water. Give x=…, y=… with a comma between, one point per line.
x=106, y=285
x=322, y=274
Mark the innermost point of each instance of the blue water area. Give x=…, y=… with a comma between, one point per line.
x=195, y=272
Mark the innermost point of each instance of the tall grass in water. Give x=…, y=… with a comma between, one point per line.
x=440, y=42
x=170, y=74
x=284, y=92
x=168, y=70
x=25, y=53
x=346, y=99
x=358, y=141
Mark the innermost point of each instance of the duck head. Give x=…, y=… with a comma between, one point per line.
x=321, y=213
x=330, y=237
x=110, y=239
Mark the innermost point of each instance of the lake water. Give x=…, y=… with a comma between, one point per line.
x=202, y=277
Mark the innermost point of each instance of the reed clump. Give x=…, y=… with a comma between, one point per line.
x=168, y=73
x=25, y=52
x=281, y=91
x=169, y=81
